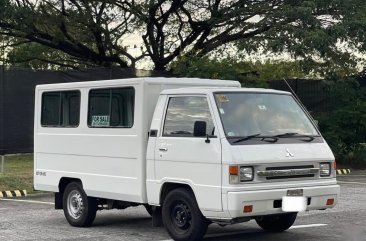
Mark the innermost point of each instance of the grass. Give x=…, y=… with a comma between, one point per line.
x=18, y=173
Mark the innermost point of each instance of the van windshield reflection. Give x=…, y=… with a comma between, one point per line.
x=244, y=115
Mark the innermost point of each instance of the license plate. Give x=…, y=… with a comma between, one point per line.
x=293, y=203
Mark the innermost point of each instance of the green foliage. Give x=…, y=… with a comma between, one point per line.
x=248, y=73
x=79, y=31
x=344, y=124
x=94, y=31
x=40, y=57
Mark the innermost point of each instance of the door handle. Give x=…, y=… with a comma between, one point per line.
x=163, y=149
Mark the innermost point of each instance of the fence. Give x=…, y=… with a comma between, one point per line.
x=312, y=93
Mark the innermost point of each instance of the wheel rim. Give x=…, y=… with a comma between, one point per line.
x=181, y=216
x=75, y=204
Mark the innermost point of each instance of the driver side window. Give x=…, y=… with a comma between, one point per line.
x=183, y=112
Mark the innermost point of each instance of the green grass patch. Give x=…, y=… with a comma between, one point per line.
x=18, y=173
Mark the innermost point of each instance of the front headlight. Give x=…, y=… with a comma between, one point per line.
x=238, y=174
x=325, y=169
x=246, y=174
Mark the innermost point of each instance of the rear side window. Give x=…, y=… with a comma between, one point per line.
x=111, y=107
x=60, y=109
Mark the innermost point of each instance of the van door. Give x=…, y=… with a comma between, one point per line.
x=184, y=155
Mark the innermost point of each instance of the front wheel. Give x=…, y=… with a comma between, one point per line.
x=182, y=217
x=276, y=223
x=79, y=209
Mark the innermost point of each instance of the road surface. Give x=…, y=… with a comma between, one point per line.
x=34, y=218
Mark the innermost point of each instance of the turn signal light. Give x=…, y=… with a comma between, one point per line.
x=233, y=170
x=330, y=201
x=248, y=209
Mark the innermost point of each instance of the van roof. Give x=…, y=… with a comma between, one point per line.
x=147, y=80
x=206, y=90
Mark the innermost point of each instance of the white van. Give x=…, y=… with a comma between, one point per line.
x=192, y=151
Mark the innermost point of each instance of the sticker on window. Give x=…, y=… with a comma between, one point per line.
x=222, y=98
x=100, y=120
x=262, y=107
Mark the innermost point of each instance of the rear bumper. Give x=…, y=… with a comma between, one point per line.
x=264, y=201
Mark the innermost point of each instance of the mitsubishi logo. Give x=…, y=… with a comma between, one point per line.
x=288, y=153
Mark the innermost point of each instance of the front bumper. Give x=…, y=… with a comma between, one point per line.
x=266, y=201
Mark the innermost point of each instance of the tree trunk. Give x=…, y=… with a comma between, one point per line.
x=159, y=66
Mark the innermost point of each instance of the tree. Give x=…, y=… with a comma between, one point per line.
x=81, y=29
x=93, y=31
x=249, y=73
x=37, y=56
x=344, y=124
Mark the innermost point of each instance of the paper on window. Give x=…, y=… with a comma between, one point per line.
x=100, y=120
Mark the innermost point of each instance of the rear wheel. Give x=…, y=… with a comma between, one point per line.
x=276, y=223
x=79, y=209
x=182, y=217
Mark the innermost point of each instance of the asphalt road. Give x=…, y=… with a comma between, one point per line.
x=33, y=218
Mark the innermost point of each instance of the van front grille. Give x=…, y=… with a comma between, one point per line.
x=285, y=172
x=289, y=167
x=295, y=176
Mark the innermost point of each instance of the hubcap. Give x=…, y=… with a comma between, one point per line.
x=181, y=216
x=75, y=204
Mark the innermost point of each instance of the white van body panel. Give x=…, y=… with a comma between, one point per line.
x=110, y=162
x=201, y=169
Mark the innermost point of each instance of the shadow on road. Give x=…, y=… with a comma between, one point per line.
x=123, y=221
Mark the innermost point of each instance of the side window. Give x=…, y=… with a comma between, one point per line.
x=183, y=112
x=60, y=109
x=111, y=107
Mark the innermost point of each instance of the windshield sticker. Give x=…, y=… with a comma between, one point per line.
x=100, y=120
x=222, y=98
x=230, y=133
x=262, y=107
x=222, y=111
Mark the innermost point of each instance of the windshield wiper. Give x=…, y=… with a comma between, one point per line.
x=294, y=134
x=247, y=138
x=287, y=134
x=275, y=137
x=270, y=139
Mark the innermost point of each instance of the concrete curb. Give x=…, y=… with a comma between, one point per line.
x=15, y=193
x=343, y=171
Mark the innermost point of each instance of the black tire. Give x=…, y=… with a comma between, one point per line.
x=79, y=209
x=149, y=209
x=181, y=216
x=276, y=223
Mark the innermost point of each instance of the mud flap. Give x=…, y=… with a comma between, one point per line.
x=157, y=219
x=58, y=200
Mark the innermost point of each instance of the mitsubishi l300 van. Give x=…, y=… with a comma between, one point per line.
x=192, y=151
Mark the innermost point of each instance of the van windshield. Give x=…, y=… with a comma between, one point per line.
x=262, y=114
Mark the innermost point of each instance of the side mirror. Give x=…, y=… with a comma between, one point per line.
x=316, y=123
x=199, y=129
